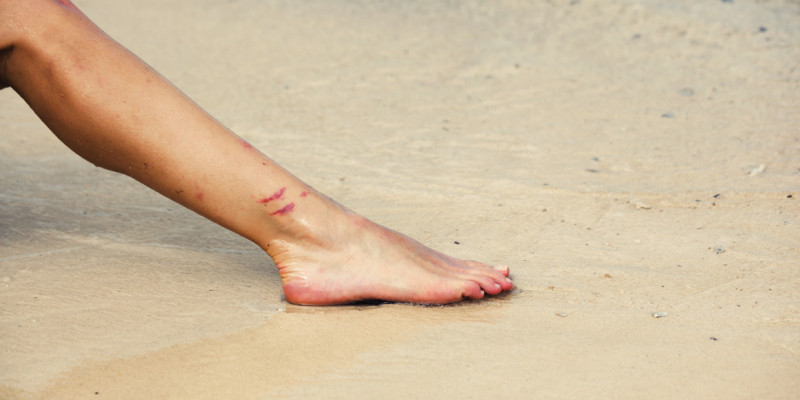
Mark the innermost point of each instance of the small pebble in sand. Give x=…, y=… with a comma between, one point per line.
x=661, y=314
x=668, y=115
x=758, y=170
x=641, y=206
x=561, y=314
x=686, y=92
x=719, y=250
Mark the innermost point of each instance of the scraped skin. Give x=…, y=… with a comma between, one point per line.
x=115, y=111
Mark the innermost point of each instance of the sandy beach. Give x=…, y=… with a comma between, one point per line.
x=636, y=163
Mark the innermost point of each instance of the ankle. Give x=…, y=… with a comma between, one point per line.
x=315, y=221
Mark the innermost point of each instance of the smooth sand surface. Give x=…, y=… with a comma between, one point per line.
x=625, y=158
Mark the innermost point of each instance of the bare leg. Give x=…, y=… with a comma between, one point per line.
x=115, y=111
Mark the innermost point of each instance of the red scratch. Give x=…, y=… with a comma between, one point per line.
x=246, y=145
x=285, y=210
x=67, y=3
x=304, y=194
x=275, y=196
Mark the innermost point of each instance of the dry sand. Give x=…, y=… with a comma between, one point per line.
x=610, y=152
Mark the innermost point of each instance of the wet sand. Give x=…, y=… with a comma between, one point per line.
x=626, y=158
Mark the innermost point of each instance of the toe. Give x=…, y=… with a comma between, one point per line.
x=472, y=291
x=476, y=265
x=501, y=280
x=503, y=269
x=492, y=279
x=491, y=287
x=506, y=283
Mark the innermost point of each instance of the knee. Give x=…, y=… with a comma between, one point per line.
x=8, y=23
x=4, y=53
x=8, y=36
x=20, y=18
x=21, y=22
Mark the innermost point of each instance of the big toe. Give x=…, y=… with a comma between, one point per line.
x=503, y=269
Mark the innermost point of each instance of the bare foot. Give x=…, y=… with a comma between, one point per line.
x=348, y=258
x=119, y=114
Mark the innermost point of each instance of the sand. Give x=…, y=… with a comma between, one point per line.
x=625, y=158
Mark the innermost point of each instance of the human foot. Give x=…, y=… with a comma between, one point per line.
x=356, y=259
x=119, y=114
